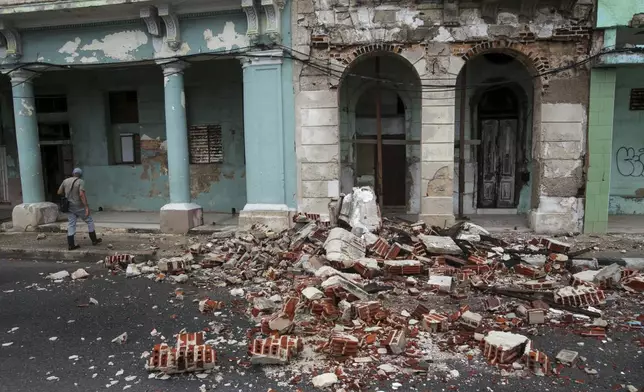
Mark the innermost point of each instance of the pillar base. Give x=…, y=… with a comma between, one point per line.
x=440, y=220
x=28, y=216
x=179, y=218
x=558, y=215
x=277, y=217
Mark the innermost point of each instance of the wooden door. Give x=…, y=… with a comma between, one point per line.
x=487, y=164
x=507, y=164
x=497, y=164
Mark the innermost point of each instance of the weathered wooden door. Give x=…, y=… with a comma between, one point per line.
x=497, y=163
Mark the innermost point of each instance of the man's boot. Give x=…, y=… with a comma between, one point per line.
x=70, y=243
x=95, y=241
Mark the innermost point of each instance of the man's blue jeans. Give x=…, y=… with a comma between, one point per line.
x=76, y=212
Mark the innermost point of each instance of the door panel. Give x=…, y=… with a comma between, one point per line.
x=393, y=175
x=507, y=155
x=488, y=178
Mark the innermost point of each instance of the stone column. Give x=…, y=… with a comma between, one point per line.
x=264, y=138
x=180, y=215
x=33, y=211
x=437, y=153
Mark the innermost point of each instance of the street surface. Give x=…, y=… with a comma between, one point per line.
x=34, y=310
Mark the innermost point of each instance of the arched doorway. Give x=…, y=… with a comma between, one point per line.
x=380, y=130
x=498, y=132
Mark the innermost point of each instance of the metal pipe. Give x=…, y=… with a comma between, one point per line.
x=461, y=143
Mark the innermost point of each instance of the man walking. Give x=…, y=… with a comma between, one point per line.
x=74, y=189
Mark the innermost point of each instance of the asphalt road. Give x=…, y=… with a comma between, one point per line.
x=137, y=306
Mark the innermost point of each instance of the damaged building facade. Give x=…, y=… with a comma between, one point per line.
x=401, y=95
x=615, y=143
x=165, y=106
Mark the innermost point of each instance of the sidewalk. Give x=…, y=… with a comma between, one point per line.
x=138, y=222
x=53, y=246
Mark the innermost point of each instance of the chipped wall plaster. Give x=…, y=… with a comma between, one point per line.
x=118, y=46
x=228, y=39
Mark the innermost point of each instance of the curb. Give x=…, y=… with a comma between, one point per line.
x=68, y=255
x=193, y=231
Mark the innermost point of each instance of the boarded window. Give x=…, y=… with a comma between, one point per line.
x=637, y=99
x=124, y=107
x=205, y=144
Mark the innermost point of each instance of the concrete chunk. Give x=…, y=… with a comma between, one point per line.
x=343, y=247
x=324, y=380
x=440, y=245
x=312, y=293
x=444, y=283
x=347, y=285
x=360, y=210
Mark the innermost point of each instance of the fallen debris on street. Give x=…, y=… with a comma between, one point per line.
x=368, y=297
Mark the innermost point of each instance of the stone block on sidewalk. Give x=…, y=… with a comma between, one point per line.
x=31, y=215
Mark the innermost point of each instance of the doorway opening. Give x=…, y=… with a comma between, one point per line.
x=497, y=132
x=392, y=133
x=380, y=127
x=57, y=157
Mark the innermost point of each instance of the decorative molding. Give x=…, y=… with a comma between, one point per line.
x=81, y=25
x=150, y=16
x=22, y=76
x=171, y=21
x=252, y=17
x=266, y=57
x=273, y=11
x=12, y=39
x=173, y=66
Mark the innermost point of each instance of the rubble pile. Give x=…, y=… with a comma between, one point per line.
x=370, y=298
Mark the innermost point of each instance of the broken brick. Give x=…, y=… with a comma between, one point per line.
x=396, y=341
x=503, y=347
x=579, y=296
x=343, y=345
x=274, y=350
x=434, y=322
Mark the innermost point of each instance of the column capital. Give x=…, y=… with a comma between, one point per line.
x=20, y=76
x=173, y=66
x=266, y=57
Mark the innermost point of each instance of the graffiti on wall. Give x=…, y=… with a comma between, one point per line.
x=630, y=162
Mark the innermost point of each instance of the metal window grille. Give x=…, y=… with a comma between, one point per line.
x=637, y=99
x=205, y=143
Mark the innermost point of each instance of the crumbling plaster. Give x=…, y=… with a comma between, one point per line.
x=437, y=44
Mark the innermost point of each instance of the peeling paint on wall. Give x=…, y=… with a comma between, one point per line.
x=119, y=46
x=228, y=39
x=71, y=48
x=28, y=109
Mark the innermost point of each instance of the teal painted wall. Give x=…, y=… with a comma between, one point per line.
x=627, y=166
x=130, y=41
x=213, y=96
x=617, y=12
x=288, y=110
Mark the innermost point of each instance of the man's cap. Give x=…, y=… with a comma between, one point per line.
x=77, y=171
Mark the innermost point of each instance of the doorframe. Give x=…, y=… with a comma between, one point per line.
x=521, y=118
